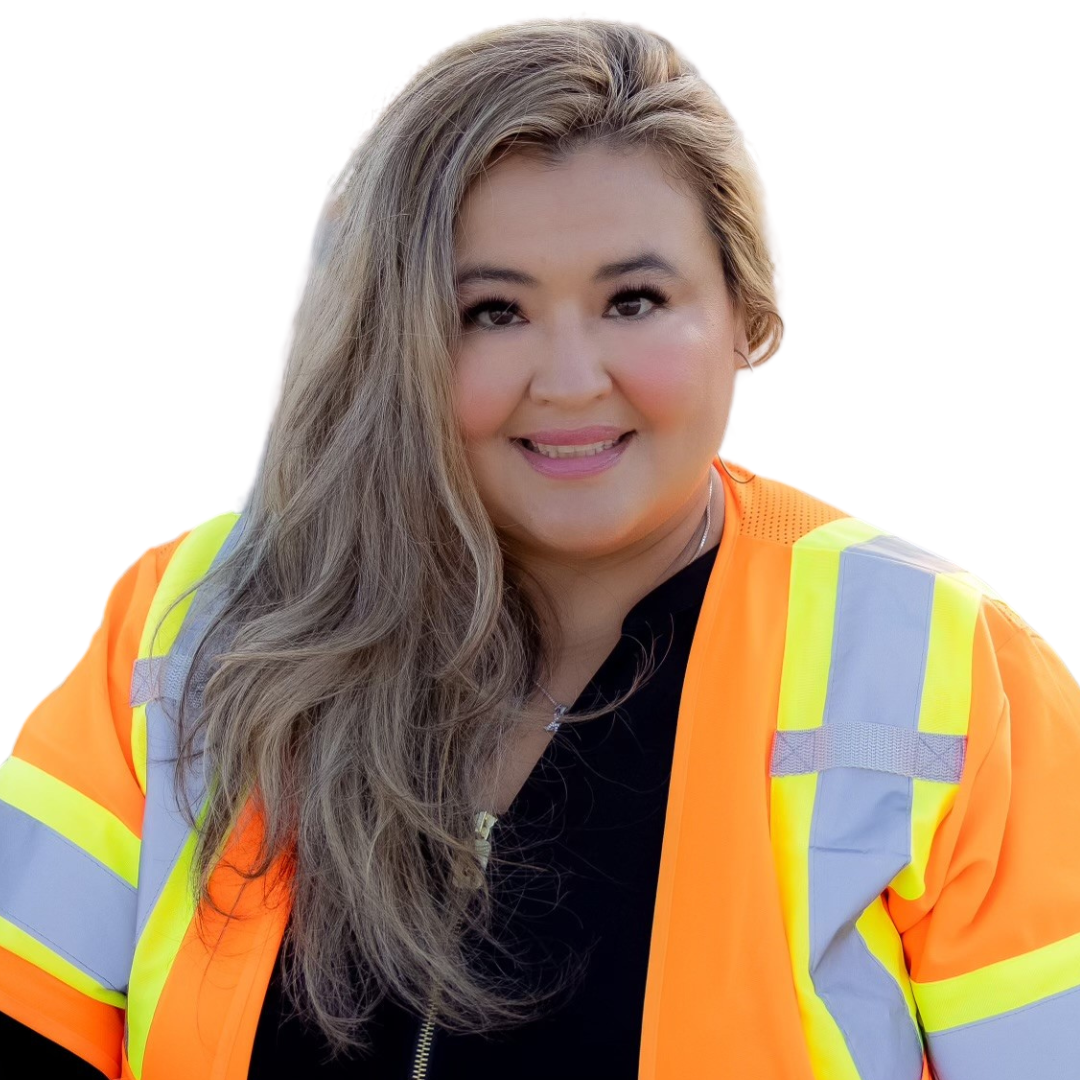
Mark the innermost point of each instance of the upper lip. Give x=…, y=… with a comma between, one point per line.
x=582, y=436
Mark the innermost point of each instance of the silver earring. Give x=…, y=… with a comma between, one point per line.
x=734, y=479
x=721, y=460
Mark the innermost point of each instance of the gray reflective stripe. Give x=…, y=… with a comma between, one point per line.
x=165, y=826
x=1040, y=1040
x=860, y=836
x=66, y=899
x=897, y=549
x=858, y=745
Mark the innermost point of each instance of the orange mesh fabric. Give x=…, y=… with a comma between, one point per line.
x=775, y=511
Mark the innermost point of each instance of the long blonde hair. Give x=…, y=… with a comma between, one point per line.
x=381, y=648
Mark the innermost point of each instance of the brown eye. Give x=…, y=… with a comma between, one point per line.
x=623, y=304
x=633, y=295
x=505, y=313
x=500, y=309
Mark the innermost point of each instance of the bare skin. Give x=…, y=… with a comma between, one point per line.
x=571, y=678
x=561, y=354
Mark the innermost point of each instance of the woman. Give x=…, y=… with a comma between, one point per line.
x=507, y=729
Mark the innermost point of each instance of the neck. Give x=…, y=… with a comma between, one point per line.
x=592, y=597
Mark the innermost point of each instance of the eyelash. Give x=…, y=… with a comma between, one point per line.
x=654, y=295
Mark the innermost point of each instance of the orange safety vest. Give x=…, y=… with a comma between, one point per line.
x=871, y=856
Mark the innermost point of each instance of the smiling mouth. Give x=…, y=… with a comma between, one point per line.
x=574, y=451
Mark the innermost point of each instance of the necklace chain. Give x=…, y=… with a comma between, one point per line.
x=560, y=709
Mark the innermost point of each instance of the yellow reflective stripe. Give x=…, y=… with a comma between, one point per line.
x=815, y=572
x=881, y=937
x=190, y=560
x=977, y=584
x=946, y=699
x=31, y=950
x=156, y=950
x=931, y=800
x=73, y=815
x=944, y=710
x=792, y=810
x=999, y=988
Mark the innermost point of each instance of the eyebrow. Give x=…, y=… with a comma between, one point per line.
x=647, y=260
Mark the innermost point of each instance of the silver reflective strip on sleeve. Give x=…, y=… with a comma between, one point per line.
x=1038, y=1040
x=860, y=835
x=76, y=906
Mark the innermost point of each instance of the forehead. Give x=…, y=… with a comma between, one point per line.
x=595, y=198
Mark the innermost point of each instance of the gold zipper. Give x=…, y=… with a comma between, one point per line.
x=484, y=821
x=423, y=1044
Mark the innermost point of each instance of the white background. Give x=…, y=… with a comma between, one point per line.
x=165, y=166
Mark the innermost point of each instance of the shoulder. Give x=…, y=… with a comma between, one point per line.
x=165, y=567
x=773, y=511
x=181, y=562
x=195, y=546
x=847, y=570
x=880, y=629
x=770, y=510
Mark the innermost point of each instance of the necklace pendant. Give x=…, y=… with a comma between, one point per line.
x=556, y=721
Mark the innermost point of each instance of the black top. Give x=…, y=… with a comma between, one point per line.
x=589, y=821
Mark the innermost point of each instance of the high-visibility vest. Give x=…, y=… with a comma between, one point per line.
x=831, y=904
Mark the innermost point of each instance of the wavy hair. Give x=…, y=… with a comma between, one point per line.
x=379, y=644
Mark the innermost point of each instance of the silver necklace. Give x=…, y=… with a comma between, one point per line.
x=560, y=709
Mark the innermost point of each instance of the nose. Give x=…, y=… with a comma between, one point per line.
x=571, y=368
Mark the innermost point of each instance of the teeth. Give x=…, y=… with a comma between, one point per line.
x=569, y=451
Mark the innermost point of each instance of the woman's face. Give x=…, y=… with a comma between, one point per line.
x=572, y=341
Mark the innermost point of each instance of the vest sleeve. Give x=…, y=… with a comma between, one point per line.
x=70, y=821
x=993, y=945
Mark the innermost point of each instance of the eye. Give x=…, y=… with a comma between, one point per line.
x=632, y=294
x=502, y=309
x=499, y=307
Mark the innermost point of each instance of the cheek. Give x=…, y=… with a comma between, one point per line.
x=484, y=397
x=674, y=381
